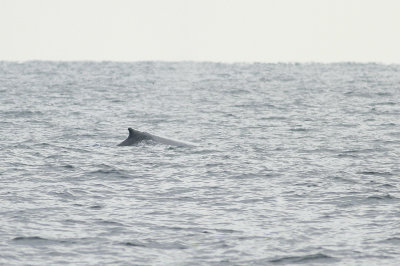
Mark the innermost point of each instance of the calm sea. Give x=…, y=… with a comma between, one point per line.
x=295, y=163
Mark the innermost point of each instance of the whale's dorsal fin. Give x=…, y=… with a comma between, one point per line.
x=130, y=132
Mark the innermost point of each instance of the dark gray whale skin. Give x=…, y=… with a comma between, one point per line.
x=136, y=136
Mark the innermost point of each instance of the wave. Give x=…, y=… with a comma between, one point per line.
x=320, y=257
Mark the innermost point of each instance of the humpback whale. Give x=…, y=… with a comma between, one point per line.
x=136, y=136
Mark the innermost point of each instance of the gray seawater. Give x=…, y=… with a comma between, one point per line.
x=295, y=164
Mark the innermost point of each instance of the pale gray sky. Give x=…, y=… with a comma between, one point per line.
x=201, y=30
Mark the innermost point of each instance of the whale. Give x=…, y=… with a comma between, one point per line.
x=136, y=136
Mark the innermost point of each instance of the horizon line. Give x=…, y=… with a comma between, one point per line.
x=200, y=61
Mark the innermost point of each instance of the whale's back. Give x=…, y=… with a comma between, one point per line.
x=171, y=142
x=136, y=136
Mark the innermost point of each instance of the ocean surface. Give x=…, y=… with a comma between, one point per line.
x=294, y=164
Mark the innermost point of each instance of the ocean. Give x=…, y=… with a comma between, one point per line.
x=293, y=163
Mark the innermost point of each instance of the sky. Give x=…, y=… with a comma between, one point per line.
x=201, y=30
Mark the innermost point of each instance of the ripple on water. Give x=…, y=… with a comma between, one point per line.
x=304, y=259
x=36, y=240
x=375, y=173
x=156, y=245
